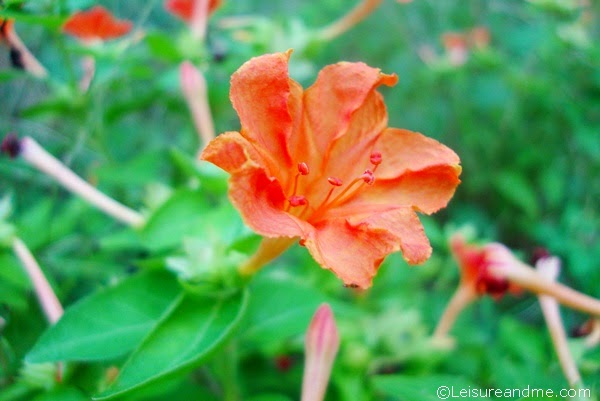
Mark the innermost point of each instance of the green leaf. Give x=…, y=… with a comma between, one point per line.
x=109, y=323
x=186, y=214
x=269, y=397
x=280, y=307
x=163, y=46
x=429, y=388
x=48, y=21
x=62, y=394
x=183, y=214
x=183, y=339
x=516, y=190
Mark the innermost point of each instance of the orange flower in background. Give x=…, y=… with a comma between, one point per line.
x=184, y=9
x=321, y=165
x=96, y=23
x=475, y=262
x=6, y=27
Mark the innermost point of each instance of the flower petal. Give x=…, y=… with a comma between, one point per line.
x=96, y=23
x=354, y=248
x=339, y=91
x=404, y=150
x=259, y=198
x=259, y=92
x=184, y=9
x=349, y=155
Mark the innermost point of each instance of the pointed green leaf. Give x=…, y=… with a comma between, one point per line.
x=181, y=341
x=109, y=323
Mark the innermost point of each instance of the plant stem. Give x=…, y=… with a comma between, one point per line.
x=38, y=157
x=353, y=17
x=549, y=268
x=269, y=249
x=463, y=296
x=526, y=277
x=46, y=296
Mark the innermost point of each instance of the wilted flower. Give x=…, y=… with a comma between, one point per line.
x=322, y=165
x=96, y=24
x=493, y=269
x=475, y=262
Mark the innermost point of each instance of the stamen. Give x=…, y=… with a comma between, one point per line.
x=303, y=168
x=302, y=242
x=336, y=182
x=297, y=200
x=368, y=177
x=376, y=158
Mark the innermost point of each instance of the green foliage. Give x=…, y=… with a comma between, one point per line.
x=110, y=323
x=160, y=311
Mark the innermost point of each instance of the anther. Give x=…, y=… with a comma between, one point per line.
x=302, y=242
x=368, y=177
x=297, y=200
x=303, y=168
x=376, y=158
x=336, y=182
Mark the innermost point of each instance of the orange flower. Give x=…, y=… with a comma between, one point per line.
x=475, y=262
x=321, y=165
x=184, y=9
x=96, y=23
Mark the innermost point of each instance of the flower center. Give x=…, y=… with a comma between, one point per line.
x=342, y=195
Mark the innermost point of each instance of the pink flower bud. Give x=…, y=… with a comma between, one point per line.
x=321, y=346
